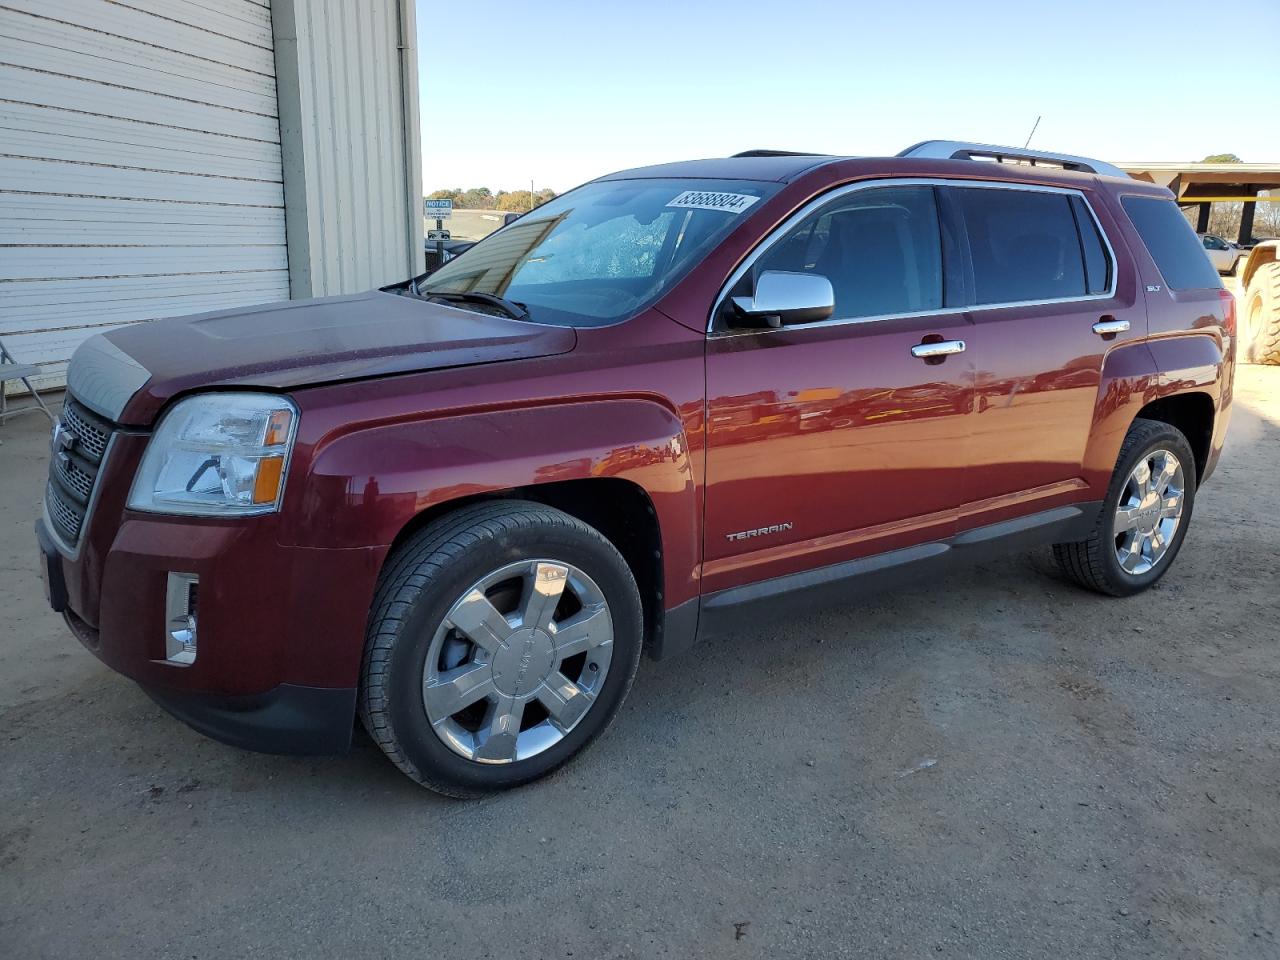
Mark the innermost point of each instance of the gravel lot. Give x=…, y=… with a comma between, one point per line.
x=998, y=766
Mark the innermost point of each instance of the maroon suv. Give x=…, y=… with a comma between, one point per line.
x=658, y=406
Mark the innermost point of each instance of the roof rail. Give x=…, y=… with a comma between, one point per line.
x=959, y=150
x=778, y=153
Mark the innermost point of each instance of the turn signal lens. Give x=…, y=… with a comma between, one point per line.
x=266, y=486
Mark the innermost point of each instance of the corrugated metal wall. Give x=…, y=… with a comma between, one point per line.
x=140, y=166
x=347, y=77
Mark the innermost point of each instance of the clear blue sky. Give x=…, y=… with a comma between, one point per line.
x=561, y=91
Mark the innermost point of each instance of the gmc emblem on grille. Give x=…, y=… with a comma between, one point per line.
x=63, y=439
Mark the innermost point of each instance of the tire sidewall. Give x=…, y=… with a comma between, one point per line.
x=1166, y=438
x=418, y=742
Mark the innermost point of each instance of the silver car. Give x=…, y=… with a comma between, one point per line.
x=1222, y=254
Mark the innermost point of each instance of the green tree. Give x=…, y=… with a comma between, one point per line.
x=477, y=198
x=1221, y=158
x=517, y=200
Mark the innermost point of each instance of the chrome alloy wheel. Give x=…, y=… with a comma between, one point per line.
x=519, y=659
x=1149, y=512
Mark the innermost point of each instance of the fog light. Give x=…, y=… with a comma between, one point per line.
x=180, y=619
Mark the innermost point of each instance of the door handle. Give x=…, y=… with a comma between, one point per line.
x=1109, y=327
x=943, y=348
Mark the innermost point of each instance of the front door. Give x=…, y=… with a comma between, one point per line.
x=832, y=441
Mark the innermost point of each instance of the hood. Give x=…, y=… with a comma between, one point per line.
x=128, y=374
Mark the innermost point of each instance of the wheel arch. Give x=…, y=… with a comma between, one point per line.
x=1192, y=414
x=619, y=508
x=1182, y=380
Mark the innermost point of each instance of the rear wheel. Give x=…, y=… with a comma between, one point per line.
x=1144, y=517
x=503, y=639
x=1260, y=323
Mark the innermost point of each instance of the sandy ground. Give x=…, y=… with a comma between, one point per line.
x=999, y=765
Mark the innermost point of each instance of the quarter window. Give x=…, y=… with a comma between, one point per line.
x=880, y=248
x=1024, y=246
x=1173, y=245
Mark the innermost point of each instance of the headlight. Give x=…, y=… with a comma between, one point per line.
x=218, y=454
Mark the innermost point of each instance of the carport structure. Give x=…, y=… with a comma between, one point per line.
x=1201, y=184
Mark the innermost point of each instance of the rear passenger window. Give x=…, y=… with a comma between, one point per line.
x=1097, y=265
x=1023, y=245
x=1172, y=243
x=880, y=248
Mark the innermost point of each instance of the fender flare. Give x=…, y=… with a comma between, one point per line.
x=363, y=487
x=1137, y=374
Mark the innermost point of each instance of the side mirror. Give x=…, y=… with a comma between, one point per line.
x=784, y=298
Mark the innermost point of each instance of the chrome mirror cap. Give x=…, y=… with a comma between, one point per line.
x=781, y=297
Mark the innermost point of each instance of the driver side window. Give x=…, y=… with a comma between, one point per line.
x=881, y=249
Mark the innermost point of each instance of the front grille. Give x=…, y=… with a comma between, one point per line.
x=93, y=432
x=79, y=445
x=66, y=518
x=71, y=475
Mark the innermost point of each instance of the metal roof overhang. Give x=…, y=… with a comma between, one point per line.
x=1202, y=184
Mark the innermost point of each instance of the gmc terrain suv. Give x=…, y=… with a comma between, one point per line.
x=668, y=401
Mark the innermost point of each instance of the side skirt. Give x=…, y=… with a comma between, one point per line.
x=741, y=607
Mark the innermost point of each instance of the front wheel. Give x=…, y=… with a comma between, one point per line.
x=1144, y=517
x=503, y=639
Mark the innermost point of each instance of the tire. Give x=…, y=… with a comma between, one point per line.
x=1094, y=563
x=1260, y=320
x=413, y=646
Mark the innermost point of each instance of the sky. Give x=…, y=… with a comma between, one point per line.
x=561, y=91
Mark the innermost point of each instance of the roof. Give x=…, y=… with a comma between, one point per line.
x=781, y=166
x=778, y=169
x=784, y=168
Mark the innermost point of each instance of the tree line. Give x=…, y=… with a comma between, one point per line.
x=482, y=198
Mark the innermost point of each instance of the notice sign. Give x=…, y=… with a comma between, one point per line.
x=711, y=200
x=438, y=235
x=437, y=209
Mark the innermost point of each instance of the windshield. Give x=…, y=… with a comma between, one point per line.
x=602, y=252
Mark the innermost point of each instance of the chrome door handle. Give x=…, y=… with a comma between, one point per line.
x=943, y=348
x=1105, y=328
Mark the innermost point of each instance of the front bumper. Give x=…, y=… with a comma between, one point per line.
x=281, y=629
x=288, y=719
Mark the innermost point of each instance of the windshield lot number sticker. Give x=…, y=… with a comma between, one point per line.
x=710, y=200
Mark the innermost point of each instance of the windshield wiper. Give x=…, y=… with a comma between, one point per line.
x=517, y=311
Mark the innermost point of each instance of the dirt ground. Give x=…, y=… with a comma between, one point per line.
x=998, y=765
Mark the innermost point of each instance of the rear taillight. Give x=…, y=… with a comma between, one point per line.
x=1229, y=312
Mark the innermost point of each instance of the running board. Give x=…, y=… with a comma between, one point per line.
x=851, y=580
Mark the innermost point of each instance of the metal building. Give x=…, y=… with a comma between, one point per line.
x=163, y=157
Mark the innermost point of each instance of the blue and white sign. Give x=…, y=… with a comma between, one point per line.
x=437, y=209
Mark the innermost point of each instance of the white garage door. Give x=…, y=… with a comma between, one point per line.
x=139, y=167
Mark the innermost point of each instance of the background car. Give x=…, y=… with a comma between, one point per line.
x=1222, y=255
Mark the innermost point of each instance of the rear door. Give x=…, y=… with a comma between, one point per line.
x=1050, y=299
